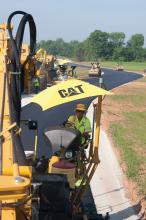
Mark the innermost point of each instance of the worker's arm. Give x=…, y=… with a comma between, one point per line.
x=87, y=129
x=71, y=121
x=88, y=125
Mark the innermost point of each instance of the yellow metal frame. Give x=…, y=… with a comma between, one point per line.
x=93, y=157
x=14, y=188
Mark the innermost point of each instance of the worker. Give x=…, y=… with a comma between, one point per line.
x=99, y=69
x=93, y=66
x=36, y=84
x=80, y=122
x=73, y=71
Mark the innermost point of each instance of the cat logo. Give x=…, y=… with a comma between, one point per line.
x=71, y=91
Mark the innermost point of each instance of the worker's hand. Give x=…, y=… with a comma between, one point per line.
x=95, y=102
x=69, y=124
x=86, y=134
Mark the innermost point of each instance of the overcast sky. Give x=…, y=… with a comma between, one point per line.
x=76, y=19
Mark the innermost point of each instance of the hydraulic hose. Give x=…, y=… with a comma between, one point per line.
x=16, y=82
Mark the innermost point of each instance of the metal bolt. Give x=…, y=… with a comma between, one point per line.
x=19, y=179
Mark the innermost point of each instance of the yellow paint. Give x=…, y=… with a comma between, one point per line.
x=62, y=93
x=8, y=129
x=15, y=170
x=53, y=159
x=23, y=170
x=69, y=172
x=8, y=183
x=3, y=27
x=8, y=214
x=9, y=196
x=29, y=68
x=97, y=130
x=63, y=61
x=7, y=145
x=10, y=190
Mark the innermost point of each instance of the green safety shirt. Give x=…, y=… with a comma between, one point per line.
x=83, y=125
x=36, y=83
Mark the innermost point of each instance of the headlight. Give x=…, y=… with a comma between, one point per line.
x=68, y=154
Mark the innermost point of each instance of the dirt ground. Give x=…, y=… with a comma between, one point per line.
x=112, y=112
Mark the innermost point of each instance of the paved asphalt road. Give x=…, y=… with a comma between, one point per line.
x=59, y=114
x=113, y=78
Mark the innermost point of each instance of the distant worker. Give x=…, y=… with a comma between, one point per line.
x=62, y=72
x=72, y=71
x=80, y=122
x=36, y=84
x=99, y=69
x=93, y=66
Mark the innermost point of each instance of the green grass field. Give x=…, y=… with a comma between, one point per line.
x=129, y=134
x=131, y=66
x=130, y=139
x=137, y=100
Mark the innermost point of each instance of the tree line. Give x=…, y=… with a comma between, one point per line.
x=99, y=45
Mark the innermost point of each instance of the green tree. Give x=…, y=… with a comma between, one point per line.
x=73, y=47
x=117, y=39
x=128, y=54
x=118, y=54
x=80, y=52
x=136, y=43
x=96, y=45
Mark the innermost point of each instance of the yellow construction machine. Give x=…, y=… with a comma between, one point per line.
x=40, y=65
x=41, y=188
x=95, y=70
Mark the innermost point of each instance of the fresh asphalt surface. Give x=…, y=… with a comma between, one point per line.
x=59, y=114
x=113, y=78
